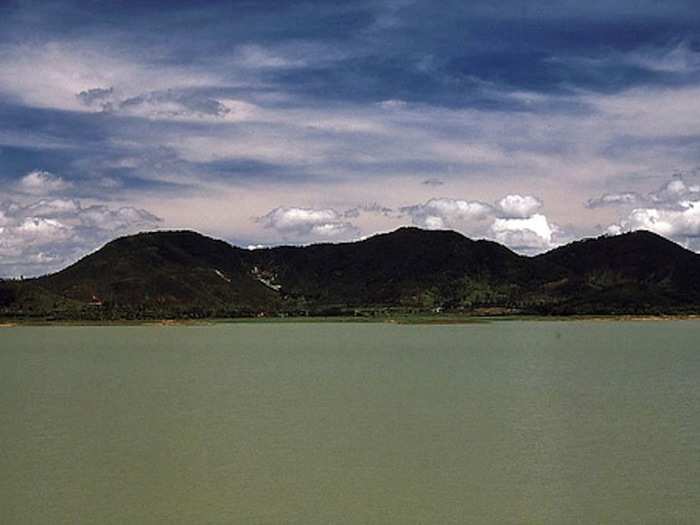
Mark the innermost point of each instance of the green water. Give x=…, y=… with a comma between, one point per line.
x=510, y=422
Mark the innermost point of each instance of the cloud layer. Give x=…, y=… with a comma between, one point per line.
x=527, y=123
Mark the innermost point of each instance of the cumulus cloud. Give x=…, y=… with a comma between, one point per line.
x=518, y=206
x=304, y=223
x=671, y=223
x=48, y=234
x=682, y=224
x=512, y=221
x=436, y=214
x=529, y=234
x=40, y=182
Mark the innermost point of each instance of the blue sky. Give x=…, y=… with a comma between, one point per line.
x=266, y=122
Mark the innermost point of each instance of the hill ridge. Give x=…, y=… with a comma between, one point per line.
x=183, y=273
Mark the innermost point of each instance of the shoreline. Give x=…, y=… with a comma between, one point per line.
x=396, y=320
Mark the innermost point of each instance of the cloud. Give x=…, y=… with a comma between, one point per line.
x=42, y=182
x=677, y=59
x=614, y=199
x=436, y=214
x=47, y=235
x=668, y=195
x=518, y=206
x=673, y=211
x=304, y=223
x=97, y=96
x=169, y=104
x=108, y=219
x=326, y=106
x=677, y=224
x=374, y=207
x=173, y=104
x=74, y=75
x=511, y=221
x=529, y=234
x=674, y=191
x=52, y=208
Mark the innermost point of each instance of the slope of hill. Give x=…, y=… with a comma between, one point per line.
x=185, y=274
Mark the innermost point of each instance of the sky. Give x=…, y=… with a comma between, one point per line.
x=281, y=122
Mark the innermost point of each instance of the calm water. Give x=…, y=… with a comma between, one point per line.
x=511, y=422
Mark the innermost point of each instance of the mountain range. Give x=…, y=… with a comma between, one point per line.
x=184, y=274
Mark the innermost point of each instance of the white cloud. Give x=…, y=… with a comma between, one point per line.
x=518, y=206
x=56, y=73
x=673, y=191
x=534, y=233
x=23, y=238
x=668, y=195
x=676, y=224
x=105, y=218
x=53, y=207
x=443, y=213
x=48, y=234
x=42, y=182
x=512, y=221
x=39, y=230
x=672, y=211
x=302, y=223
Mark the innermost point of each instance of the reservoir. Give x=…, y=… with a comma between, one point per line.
x=316, y=423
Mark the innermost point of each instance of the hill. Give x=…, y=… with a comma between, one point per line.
x=185, y=274
x=173, y=273
x=636, y=272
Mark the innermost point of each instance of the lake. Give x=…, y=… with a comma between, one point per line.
x=505, y=422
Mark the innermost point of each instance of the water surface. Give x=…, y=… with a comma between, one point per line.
x=509, y=422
